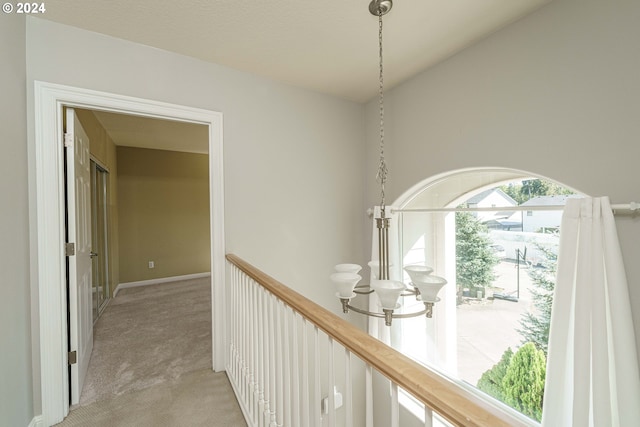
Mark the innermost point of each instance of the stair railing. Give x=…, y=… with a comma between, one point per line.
x=285, y=352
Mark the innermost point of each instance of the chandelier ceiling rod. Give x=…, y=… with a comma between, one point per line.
x=380, y=8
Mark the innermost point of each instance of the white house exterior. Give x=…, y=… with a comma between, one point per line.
x=495, y=197
x=540, y=220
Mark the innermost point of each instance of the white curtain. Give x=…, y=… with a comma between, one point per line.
x=592, y=370
x=377, y=327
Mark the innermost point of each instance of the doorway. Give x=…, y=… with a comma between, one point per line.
x=160, y=242
x=49, y=228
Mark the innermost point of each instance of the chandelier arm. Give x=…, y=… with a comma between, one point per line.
x=410, y=293
x=409, y=315
x=382, y=315
x=370, y=291
x=365, y=312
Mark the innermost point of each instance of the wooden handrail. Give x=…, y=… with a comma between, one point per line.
x=459, y=406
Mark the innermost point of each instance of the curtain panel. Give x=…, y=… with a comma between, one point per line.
x=592, y=370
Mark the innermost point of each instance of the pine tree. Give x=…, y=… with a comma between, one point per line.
x=534, y=327
x=474, y=258
x=523, y=383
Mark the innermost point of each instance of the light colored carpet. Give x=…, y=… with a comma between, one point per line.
x=149, y=335
x=197, y=399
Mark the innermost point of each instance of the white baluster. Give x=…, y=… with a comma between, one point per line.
x=245, y=341
x=287, y=373
x=395, y=413
x=258, y=360
x=317, y=393
x=258, y=349
x=280, y=311
x=305, y=375
x=332, y=384
x=348, y=393
x=264, y=376
x=369, y=396
x=272, y=362
x=253, y=349
x=241, y=371
x=236, y=351
x=296, y=371
x=236, y=343
x=232, y=344
x=428, y=417
x=232, y=295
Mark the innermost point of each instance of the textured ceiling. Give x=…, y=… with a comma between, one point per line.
x=328, y=47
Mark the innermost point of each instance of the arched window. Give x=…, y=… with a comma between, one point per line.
x=493, y=234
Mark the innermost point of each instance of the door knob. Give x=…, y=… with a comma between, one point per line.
x=93, y=254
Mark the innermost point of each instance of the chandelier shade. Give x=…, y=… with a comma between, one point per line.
x=348, y=268
x=388, y=292
x=345, y=283
x=428, y=287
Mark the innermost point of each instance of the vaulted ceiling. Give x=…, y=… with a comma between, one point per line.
x=327, y=46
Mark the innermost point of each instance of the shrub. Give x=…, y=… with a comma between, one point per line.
x=518, y=380
x=491, y=381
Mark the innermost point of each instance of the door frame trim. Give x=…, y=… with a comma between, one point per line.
x=49, y=224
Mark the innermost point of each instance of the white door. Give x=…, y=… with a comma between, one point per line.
x=79, y=232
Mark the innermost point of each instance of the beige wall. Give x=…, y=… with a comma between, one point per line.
x=104, y=151
x=164, y=213
x=16, y=391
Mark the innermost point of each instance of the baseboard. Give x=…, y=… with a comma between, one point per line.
x=158, y=281
x=36, y=421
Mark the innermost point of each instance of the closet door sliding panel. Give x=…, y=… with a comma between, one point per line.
x=100, y=239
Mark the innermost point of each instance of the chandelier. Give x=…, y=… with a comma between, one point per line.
x=423, y=285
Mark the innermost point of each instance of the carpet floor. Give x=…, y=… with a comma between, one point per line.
x=148, y=335
x=197, y=399
x=151, y=362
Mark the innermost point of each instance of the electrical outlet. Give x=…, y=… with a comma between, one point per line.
x=152, y=264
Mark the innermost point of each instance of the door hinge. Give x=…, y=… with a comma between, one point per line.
x=73, y=357
x=69, y=249
x=68, y=140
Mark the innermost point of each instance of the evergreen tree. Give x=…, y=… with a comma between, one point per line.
x=534, y=187
x=491, y=381
x=513, y=190
x=523, y=383
x=474, y=258
x=534, y=327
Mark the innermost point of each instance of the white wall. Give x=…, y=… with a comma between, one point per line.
x=293, y=158
x=555, y=93
x=16, y=394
